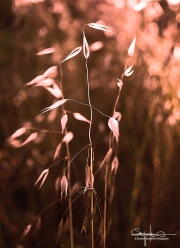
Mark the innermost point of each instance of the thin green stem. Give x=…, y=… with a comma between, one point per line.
x=98, y=202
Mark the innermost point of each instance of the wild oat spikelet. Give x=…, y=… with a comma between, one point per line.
x=25, y=232
x=43, y=175
x=86, y=50
x=132, y=48
x=64, y=186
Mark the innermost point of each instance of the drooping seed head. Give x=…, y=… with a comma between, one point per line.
x=64, y=186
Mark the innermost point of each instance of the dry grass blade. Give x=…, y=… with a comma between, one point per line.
x=18, y=133
x=101, y=231
x=80, y=117
x=64, y=120
x=51, y=72
x=86, y=50
x=132, y=48
x=84, y=225
x=43, y=175
x=45, y=82
x=75, y=189
x=68, y=137
x=36, y=80
x=60, y=230
x=96, y=46
x=128, y=71
x=31, y=137
x=54, y=105
x=87, y=177
x=129, y=74
x=26, y=231
x=108, y=155
x=106, y=159
x=15, y=143
x=64, y=186
x=58, y=148
x=73, y=53
x=46, y=51
x=114, y=166
x=38, y=224
x=55, y=91
x=100, y=27
x=113, y=125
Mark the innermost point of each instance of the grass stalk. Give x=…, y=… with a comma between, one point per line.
x=105, y=208
x=70, y=199
x=91, y=152
x=68, y=174
x=92, y=196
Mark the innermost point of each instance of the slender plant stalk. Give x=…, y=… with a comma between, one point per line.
x=68, y=175
x=105, y=208
x=89, y=101
x=91, y=156
x=106, y=172
x=92, y=196
x=106, y=177
x=70, y=199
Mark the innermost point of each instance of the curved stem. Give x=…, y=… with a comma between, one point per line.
x=70, y=161
x=100, y=111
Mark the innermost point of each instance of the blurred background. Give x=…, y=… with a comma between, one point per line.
x=147, y=190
